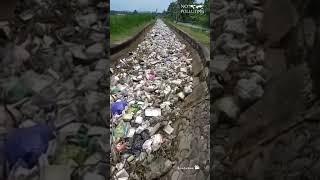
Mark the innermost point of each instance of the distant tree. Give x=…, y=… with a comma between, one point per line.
x=206, y=13
x=185, y=17
x=135, y=12
x=172, y=11
x=206, y=7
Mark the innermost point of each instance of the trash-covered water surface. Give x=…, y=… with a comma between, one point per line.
x=146, y=89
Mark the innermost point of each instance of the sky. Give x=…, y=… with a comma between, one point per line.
x=141, y=5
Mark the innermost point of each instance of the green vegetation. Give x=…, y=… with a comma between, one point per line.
x=198, y=34
x=127, y=25
x=202, y=36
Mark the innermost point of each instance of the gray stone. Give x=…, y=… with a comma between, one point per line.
x=158, y=167
x=27, y=123
x=316, y=168
x=309, y=29
x=20, y=55
x=122, y=174
x=70, y=129
x=220, y=63
x=87, y=20
x=101, y=65
x=216, y=89
x=197, y=67
x=235, y=26
x=54, y=172
x=257, y=68
x=251, y=3
x=93, y=159
x=185, y=143
x=15, y=89
x=198, y=92
x=95, y=101
x=83, y=3
x=218, y=151
x=35, y=81
x=279, y=18
x=228, y=107
x=53, y=73
x=313, y=113
x=233, y=46
x=103, y=168
x=98, y=37
x=299, y=164
x=66, y=115
x=248, y=91
x=29, y=110
x=78, y=52
x=175, y=175
x=93, y=176
x=200, y=175
x=104, y=142
x=4, y=116
x=97, y=131
x=95, y=50
x=257, y=171
x=89, y=82
x=255, y=77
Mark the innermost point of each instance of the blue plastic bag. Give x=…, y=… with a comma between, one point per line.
x=28, y=144
x=118, y=107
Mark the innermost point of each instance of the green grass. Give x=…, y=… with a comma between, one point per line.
x=124, y=26
x=199, y=35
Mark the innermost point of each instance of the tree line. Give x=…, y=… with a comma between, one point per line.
x=174, y=12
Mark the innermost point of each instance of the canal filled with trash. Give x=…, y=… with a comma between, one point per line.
x=147, y=88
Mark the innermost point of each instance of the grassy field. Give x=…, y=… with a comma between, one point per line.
x=125, y=26
x=198, y=34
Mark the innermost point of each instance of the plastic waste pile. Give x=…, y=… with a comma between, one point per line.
x=146, y=88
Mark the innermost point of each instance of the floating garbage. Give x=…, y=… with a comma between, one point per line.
x=119, y=166
x=115, y=90
x=168, y=129
x=121, y=147
x=157, y=140
x=128, y=116
x=139, y=120
x=187, y=89
x=153, y=112
x=130, y=158
x=138, y=140
x=120, y=130
x=155, y=128
x=118, y=107
x=131, y=132
x=122, y=174
x=147, y=145
x=151, y=75
x=181, y=95
x=28, y=144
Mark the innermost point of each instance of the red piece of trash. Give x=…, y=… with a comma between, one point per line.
x=151, y=75
x=121, y=147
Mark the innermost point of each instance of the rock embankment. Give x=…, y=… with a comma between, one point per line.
x=276, y=136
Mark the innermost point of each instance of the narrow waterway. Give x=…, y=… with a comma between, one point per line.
x=147, y=88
